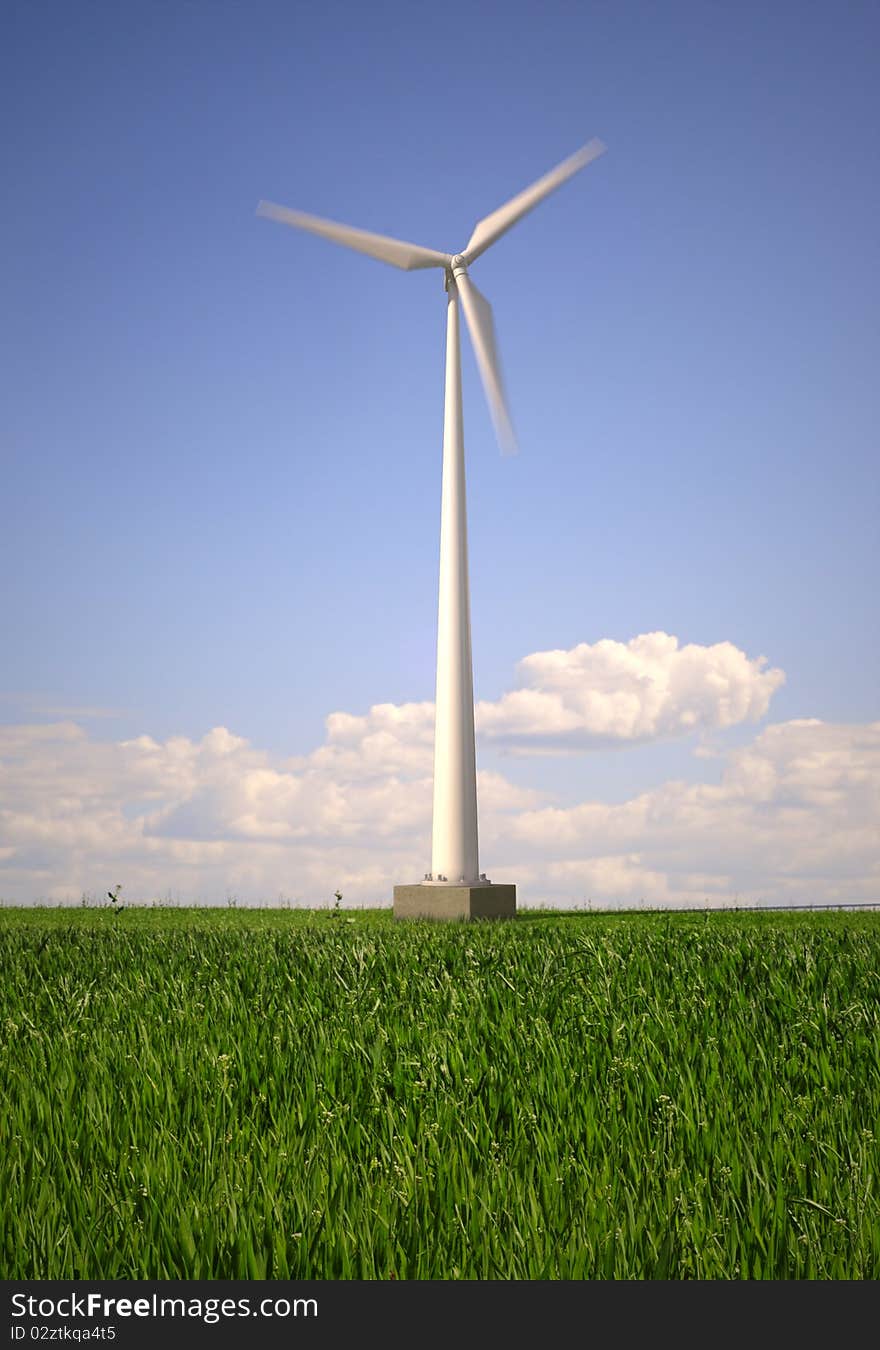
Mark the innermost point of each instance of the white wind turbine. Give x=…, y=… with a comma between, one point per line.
x=454, y=854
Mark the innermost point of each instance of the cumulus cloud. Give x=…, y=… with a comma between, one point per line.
x=205, y=818
x=793, y=816
x=390, y=739
x=612, y=693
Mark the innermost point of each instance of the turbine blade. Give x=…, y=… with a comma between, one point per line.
x=394, y=251
x=492, y=227
x=478, y=313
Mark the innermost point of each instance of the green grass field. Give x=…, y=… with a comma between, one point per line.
x=282, y=1094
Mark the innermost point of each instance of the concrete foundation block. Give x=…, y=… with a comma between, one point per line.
x=433, y=901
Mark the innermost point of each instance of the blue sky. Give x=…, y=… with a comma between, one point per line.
x=221, y=439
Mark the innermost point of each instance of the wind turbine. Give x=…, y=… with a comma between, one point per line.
x=454, y=887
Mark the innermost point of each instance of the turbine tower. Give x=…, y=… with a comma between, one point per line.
x=455, y=887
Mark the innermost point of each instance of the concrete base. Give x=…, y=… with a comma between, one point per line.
x=438, y=901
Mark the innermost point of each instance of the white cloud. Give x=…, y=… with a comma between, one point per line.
x=611, y=693
x=796, y=817
x=391, y=738
x=793, y=816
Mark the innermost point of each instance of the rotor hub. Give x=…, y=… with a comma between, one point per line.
x=458, y=266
